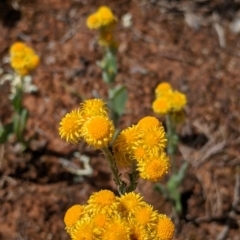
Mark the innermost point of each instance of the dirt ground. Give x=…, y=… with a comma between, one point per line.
x=193, y=44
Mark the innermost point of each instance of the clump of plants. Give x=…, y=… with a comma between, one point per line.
x=140, y=150
x=135, y=152
x=104, y=22
x=170, y=103
x=23, y=61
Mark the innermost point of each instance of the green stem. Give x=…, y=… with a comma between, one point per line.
x=17, y=103
x=133, y=177
x=121, y=185
x=172, y=140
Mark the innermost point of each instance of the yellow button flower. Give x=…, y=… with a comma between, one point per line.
x=98, y=131
x=178, y=101
x=70, y=126
x=162, y=105
x=23, y=59
x=103, y=201
x=93, y=107
x=148, y=122
x=154, y=168
x=117, y=229
x=84, y=230
x=103, y=17
x=163, y=89
x=72, y=216
x=153, y=140
x=165, y=228
x=131, y=201
x=145, y=216
x=167, y=100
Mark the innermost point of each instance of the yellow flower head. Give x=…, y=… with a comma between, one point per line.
x=17, y=48
x=178, y=101
x=98, y=131
x=140, y=153
x=93, y=107
x=164, y=228
x=70, y=126
x=102, y=18
x=123, y=146
x=148, y=122
x=23, y=59
x=84, y=230
x=153, y=140
x=116, y=230
x=100, y=220
x=103, y=201
x=131, y=201
x=145, y=216
x=93, y=21
x=167, y=100
x=72, y=215
x=154, y=168
x=162, y=105
x=127, y=138
x=163, y=89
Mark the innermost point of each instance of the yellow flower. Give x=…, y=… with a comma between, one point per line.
x=139, y=153
x=123, y=146
x=145, y=216
x=126, y=139
x=178, y=101
x=98, y=131
x=162, y=105
x=117, y=229
x=23, y=59
x=168, y=100
x=100, y=220
x=148, y=122
x=84, y=230
x=93, y=107
x=103, y=201
x=93, y=21
x=131, y=201
x=153, y=140
x=163, y=89
x=70, y=126
x=102, y=18
x=154, y=168
x=17, y=48
x=72, y=215
x=164, y=228
x=106, y=16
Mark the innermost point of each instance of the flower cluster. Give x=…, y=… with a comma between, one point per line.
x=108, y=217
x=90, y=122
x=143, y=144
x=104, y=21
x=102, y=18
x=23, y=59
x=168, y=100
